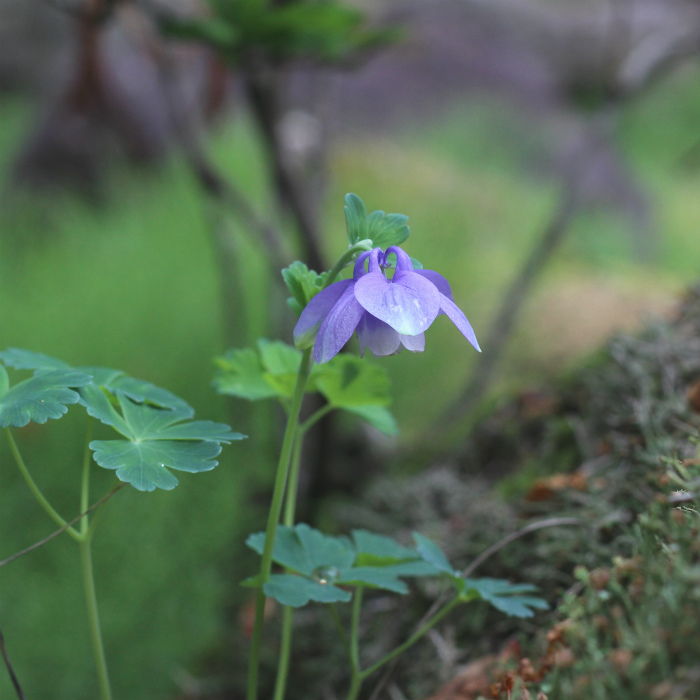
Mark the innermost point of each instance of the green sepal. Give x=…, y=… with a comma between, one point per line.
x=45, y=395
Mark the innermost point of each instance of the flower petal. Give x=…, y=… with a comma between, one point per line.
x=414, y=343
x=455, y=314
x=438, y=280
x=380, y=338
x=409, y=303
x=316, y=311
x=338, y=327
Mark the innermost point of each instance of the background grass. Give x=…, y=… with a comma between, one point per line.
x=135, y=285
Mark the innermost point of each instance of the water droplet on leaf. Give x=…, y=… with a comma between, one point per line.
x=325, y=574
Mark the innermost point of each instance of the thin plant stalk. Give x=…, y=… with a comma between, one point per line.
x=36, y=491
x=283, y=467
x=89, y=581
x=287, y=610
x=358, y=675
x=356, y=671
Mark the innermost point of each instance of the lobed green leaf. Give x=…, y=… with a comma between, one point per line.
x=156, y=440
x=45, y=395
x=504, y=596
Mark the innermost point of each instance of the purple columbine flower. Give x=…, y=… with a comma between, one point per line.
x=386, y=313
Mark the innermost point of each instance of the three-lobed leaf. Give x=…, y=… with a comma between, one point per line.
x=156, y=440
x=321, y=563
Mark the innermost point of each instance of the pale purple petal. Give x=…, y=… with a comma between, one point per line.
x=380, y=338
x=454, y=313
x=409, y=303
x=438, y=280
x=414, y=343
x=338, y=326
x=316, y=311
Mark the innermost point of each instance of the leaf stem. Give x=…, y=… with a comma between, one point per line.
x=36, y=491
x=287, y=611
x=345, y=258
x=94, y=618
x=411, y=640
x=356, y=677
x=283, y=467
x=86, y=532
x=314, y=418
x=341, y=630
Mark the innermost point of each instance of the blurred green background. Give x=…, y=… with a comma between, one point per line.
x=133, y=283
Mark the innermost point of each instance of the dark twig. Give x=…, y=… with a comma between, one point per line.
x=56, y=533
x=10, y=669
x=496, y=342
x=264, y=87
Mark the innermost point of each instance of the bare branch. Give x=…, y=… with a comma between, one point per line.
x=10, y=669
x=56, y=533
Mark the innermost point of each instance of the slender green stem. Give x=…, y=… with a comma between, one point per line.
x=356, y=677
x=290, y=435
x=285, y=653
x=36, y=491
x=315, y=417
x=345, y=258
x=94, y=620
x=100, y=509
x=411, y=640
x=89, y=580
x=290, y=502
x=341, y=630
x=85, y=481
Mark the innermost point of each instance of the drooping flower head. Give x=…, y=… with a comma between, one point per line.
x=387, y=313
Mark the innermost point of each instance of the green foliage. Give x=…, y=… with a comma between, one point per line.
x=347, y=382
x=303, y=285
x=322, y=563
x=111, y=379
x=155, y=440
x=322, y=31
x=151, y=419
x=501, y=594
x=45, y=395
x=504, y=596
x=382, y=229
